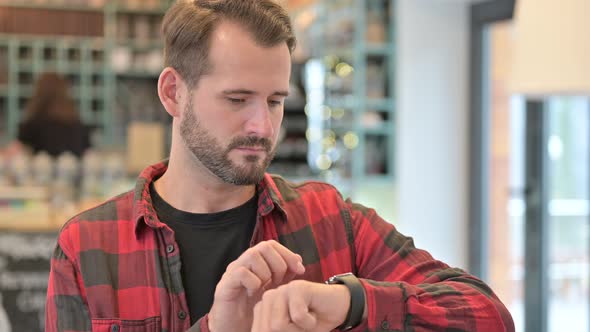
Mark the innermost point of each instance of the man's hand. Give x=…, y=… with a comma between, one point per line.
x=302, y=306
x=264, y=266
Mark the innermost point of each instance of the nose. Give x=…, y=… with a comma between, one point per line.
x=260, y=122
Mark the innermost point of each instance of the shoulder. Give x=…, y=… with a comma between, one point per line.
x=90, y=225
x=290, y=191
x=112, y=209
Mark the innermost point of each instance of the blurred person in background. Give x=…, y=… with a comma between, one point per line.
x=209, y=241
x=51, y=121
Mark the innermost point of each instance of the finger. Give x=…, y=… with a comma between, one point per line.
x=268, y=300
x=277, y=257
x=232, y=282
x=279, y=318
x=277, y=264
x=299, y=312
x=289, y=276
x=293, y=260
x=271, y=262
x=277, y=312
x=256, y=327
x=254, y=261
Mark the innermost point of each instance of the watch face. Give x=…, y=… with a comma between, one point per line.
x=336, y=279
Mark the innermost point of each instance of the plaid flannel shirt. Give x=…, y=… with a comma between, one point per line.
x=116, y=267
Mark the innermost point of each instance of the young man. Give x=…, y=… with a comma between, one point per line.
x=208, y=241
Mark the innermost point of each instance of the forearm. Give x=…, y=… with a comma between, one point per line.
x=460, y=303
x=416, y=290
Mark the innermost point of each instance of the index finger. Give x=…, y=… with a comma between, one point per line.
x=293, y=260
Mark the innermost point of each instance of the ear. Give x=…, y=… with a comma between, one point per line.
x=171, y=90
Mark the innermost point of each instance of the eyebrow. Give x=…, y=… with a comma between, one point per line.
x=250, y=92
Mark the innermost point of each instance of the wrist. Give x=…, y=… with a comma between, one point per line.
x=357, y=304
x=344, y=299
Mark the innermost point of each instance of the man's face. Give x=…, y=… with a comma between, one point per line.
x=232, y=118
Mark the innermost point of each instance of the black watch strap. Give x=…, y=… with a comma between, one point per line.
x=357, y=299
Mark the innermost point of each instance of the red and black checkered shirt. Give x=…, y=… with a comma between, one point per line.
x=116, y=267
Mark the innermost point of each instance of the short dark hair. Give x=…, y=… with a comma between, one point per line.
x=188, y=25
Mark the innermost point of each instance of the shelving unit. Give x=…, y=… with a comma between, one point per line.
x=80, y=60
x=291, y=158
x=113, y=75
x=353, y=124
x=352, y=109
x=100, y=68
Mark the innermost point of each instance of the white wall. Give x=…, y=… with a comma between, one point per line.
x=431, y=150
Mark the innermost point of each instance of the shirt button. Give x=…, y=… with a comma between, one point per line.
x=115, y=328
x=170, y=248
x=181, y=314
x=385, y=325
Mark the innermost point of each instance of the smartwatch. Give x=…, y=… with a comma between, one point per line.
x=357, y=299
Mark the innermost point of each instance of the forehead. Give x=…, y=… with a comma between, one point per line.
x=235, y=55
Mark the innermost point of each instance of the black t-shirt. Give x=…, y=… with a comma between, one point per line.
x=207, y=243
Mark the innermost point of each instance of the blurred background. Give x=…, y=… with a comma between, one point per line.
x=464, y=123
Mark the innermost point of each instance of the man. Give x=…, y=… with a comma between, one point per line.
x=208, y=241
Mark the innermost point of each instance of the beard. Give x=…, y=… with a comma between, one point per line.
x=215, y=157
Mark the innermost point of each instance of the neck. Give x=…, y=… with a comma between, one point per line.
x=189, y=186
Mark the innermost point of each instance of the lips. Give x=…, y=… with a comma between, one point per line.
x=251, y=143
x=253, y=149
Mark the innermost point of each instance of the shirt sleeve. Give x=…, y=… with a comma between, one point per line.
x=407, y=289
x=66, y=308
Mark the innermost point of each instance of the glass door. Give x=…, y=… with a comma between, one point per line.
x=535, y=223
x=506, y=166
x=568, y=226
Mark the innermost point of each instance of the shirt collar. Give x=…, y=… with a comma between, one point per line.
x=269, y=197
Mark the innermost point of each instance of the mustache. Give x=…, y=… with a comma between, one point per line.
x=251, y=141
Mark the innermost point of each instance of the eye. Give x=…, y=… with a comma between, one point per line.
x=275, y=102
x=236, y=100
